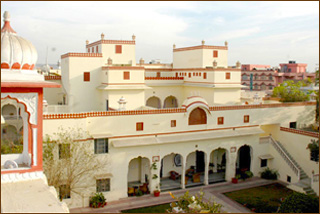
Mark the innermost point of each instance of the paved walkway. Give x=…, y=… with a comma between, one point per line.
x=215, y=190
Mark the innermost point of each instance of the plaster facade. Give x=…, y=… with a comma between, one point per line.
x=146, y=114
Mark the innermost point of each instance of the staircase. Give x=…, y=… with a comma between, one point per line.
x=304, y=180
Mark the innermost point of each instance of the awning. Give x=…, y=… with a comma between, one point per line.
x=100, y=135
x=184, y=137
x=264, y=157
x=102, y=176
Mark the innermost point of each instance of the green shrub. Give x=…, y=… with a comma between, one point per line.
x=96, y=199
x=300, y=203
x=314, y=150
x=270, y=174
x=139, y=193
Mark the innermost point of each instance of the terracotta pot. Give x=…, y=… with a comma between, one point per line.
x=234, y=180
x=156, y=193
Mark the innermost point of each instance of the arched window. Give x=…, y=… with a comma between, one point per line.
x=170, y=102
x=197, y=116
x=244, y=77
x=154, y=102
x=15, y=150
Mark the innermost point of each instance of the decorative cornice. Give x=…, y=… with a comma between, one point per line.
x=164, y=78
x=271, y=105
x=200, y=47
x=122, y=68
x=52, y=77
x=168, y=111
x=81, y=55
x=116, y=42
x=302, y=132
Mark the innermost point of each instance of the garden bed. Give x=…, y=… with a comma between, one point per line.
x=263, y=199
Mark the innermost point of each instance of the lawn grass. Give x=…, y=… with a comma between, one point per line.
x=263, y=199
x=153, y=209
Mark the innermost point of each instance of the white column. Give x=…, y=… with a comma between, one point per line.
x=231, y=166
x=142, y=170
x=183, y=165
x=215, y=161
x=35, y=146
x=206, y=169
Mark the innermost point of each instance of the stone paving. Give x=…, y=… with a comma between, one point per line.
x=213, y=190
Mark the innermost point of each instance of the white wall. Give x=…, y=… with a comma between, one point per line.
x=188, y=59
x=128, y=55
x=222, y=58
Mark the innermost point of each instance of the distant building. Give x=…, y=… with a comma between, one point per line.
x=265, y=78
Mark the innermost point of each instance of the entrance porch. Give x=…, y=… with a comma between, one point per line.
x=169, y=184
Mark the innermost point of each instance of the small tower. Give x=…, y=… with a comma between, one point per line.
x=141, y=61
x=87, y=42
x=109, y=61
x=174, y=46
x=133, y=37
x=226, y=43
x=102, y=36
x=122, y=104
x=203, y=42
x=215, y=64
x=238, y=64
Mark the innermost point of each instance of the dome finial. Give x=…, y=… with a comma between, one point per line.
x=6, y=27
x=6, y=16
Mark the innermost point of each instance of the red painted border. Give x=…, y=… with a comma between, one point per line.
x=302, y=132
x=168, y=111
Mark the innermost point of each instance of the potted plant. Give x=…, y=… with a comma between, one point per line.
x=235, y=179
x=156, y=192
x=97, y=200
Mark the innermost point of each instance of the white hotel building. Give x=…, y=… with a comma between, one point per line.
x=180, y=116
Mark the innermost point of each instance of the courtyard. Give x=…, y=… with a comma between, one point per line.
x=215, y=190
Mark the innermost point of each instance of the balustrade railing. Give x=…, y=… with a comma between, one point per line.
x=51, y=109
x=292, y=165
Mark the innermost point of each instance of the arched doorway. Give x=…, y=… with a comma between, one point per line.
x=217, y=165
x=195, y=169
x=244, y=159
x=171, y=172
x=154, y=102
x=197, y=117
x=138, y=176
x=170, y=102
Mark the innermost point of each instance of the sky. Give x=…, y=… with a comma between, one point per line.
x=260, y=32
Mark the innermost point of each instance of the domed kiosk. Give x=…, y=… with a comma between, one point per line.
x=21, y=128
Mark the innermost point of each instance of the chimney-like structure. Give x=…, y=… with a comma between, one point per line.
x=141, y=61
x=215, y=64
x=109, y=61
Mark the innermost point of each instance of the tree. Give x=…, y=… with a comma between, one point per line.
x=300, y=203
x=68, y=162
x=194, y=204
x=289, y=91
